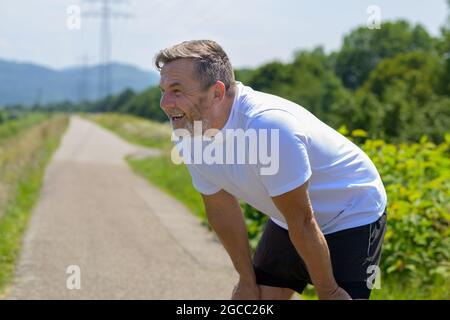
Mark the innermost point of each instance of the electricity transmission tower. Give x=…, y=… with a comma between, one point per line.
x=105, y=14
x=83, y=81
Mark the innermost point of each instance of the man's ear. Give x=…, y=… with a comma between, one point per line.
x=219, y=91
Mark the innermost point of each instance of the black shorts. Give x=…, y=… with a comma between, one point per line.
x=354, y=253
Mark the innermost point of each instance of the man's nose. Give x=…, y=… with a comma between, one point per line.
x=167, y=102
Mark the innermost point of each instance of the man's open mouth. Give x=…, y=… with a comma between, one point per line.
x=177, y=117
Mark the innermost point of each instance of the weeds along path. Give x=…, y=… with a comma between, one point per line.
x=124, y=238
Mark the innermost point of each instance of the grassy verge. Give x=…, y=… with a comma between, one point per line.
x=14, y=127
x=133, y=129
x=22, y=164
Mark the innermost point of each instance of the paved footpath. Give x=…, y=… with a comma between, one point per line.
x=129, y=239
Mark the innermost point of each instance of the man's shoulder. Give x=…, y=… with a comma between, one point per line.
x=260, y=110
x=256, y=106
x=273, y=117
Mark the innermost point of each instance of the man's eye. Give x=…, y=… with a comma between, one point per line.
x=177, y=92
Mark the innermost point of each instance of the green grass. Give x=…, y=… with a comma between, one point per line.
x=174, y=179
x=134, y=129
x=394, y=289
x=11, y=128
x=13, y=225
x=14, y=220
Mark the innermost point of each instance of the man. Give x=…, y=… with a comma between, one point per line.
x=326, y=200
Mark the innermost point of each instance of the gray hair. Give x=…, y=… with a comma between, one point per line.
x=211, y=61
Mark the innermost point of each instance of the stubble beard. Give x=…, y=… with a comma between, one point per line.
x=205, y=125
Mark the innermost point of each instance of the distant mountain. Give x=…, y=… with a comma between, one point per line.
x=26, y=83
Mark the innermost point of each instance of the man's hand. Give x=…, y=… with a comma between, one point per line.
x=246, y=291
x=336, y=294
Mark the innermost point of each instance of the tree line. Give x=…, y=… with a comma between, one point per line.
x=392, y=82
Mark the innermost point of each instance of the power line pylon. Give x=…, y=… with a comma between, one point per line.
x=106, y=14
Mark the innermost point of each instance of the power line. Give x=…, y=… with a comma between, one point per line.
x=105, y=14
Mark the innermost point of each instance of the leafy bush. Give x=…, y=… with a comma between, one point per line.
x=417, y=179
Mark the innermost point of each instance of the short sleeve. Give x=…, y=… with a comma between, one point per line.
x=290, y=166
x=200, y=182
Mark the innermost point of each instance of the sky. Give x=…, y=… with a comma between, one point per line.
x=252, y=32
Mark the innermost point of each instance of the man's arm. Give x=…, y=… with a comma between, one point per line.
x=226, y=218
x=309, y=241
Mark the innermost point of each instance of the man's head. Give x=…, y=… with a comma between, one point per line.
x=197, y=83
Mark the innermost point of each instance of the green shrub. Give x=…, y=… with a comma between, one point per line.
x=416, y=251
x=417, y=181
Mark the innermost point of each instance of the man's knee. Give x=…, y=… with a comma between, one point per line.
x=275, y=293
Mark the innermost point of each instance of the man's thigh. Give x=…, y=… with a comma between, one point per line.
x=353, y=252
x=276, y=261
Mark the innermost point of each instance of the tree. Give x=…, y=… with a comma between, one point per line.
x=122, y=99
x=310, y=82
x=243, y=75
x=401, y=99
x=146, y=104
x=363, y=49
x=444, y=50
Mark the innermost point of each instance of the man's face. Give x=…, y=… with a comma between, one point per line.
x=182, y=98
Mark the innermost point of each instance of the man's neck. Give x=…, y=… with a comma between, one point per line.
x=225, y=111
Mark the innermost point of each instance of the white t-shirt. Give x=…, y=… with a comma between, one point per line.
x=345, y=188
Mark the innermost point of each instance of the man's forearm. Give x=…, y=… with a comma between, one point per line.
x=309, y=241
x=312, y=247
x=232, y=232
